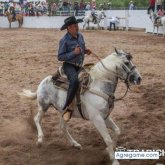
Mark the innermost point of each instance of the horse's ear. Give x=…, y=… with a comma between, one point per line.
x=116, y=51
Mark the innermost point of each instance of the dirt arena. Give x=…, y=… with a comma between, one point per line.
x=28, y=55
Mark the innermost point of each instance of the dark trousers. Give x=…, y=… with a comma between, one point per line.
x=110, y=27
x=71, y=72
x=150, y=8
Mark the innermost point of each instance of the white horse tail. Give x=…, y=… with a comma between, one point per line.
x=28, y=94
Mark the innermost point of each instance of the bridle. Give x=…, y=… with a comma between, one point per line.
x=125, y=68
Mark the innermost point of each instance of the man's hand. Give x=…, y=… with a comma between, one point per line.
x=77, y=50
x=88, y=51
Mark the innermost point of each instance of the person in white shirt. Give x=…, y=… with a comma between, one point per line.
x=131, y=5
x=114, y=21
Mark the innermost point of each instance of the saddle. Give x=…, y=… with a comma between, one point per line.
x=60, y=80
x=13, y=18
x=84, y=78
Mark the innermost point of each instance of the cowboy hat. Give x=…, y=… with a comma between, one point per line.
x=69, y=21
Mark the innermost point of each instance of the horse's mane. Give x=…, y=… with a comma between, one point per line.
x=110, y=62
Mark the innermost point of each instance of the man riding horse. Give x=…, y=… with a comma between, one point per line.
x=71, y=51
x=12, y=11
x=94, y=15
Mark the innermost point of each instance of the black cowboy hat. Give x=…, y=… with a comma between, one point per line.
x=69, y=21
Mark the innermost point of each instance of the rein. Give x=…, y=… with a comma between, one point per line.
x=126, y=80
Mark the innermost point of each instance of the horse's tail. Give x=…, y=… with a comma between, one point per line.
x=28, y=94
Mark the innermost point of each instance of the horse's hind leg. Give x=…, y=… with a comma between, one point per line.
x=111, y=124
x=73, y=142
x=37, y=120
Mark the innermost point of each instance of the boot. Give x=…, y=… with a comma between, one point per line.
x=68, y=112
x=56, y=75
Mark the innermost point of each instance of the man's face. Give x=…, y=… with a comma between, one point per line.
x=73, y=29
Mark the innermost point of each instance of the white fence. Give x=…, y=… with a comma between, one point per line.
x=132, y=19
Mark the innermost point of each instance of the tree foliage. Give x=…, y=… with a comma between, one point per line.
x=115, y=3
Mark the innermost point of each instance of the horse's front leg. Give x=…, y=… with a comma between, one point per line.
x=84, y=26
x=99, y=123
x=98, y=26
x=157, y=29
x=153, y=30
x=19, y=23
x=73, y=142
x=111, y=124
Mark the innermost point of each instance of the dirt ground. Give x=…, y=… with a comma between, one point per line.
x=28, y=55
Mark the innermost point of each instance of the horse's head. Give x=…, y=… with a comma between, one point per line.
x=6, y=13
x=103, y=14
x=126, y=69
x=152, y=16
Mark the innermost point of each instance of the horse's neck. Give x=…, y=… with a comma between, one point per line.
x=100, y=16
x=105, y=85
x=105, y=69
x=104, y=75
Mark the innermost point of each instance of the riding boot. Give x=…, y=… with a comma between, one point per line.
x=56, y=75
x=68, y=112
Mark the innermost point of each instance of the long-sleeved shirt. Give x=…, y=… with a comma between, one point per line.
x=152, y=2
x=66, y=49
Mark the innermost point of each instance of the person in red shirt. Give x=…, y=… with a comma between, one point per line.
x=151, y=6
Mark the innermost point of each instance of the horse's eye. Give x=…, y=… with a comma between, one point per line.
x=126, y=63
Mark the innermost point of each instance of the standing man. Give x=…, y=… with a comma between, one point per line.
x=114, y=21
x=71, y=51
x=151, y=6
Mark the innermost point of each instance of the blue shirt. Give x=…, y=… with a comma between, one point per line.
x=66, y=49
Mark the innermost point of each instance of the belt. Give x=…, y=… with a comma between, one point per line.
x=76, y=64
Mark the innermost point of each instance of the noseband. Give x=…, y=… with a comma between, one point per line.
x=129, y=72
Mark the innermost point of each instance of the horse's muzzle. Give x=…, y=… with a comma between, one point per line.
x=135, y=80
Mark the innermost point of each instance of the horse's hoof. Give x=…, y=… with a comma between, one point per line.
x=78, y=146
x=115, y=162
x=39, y=144
x=117, y=132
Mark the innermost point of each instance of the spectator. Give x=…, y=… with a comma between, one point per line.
x=82, y=5
x=151, y=6
x=131, y=5
x=53, y=8
x=60, y=4
x=88, y=6
x=76, y=7
x=93, y=4
x=160, y=12
x=159, y=4
x=109, y=5
x=163, y=4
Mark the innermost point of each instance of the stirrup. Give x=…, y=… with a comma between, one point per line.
x=70, y=114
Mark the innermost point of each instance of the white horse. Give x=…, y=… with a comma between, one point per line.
x=97, y=101
x=89, y=18
x=157, y=23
